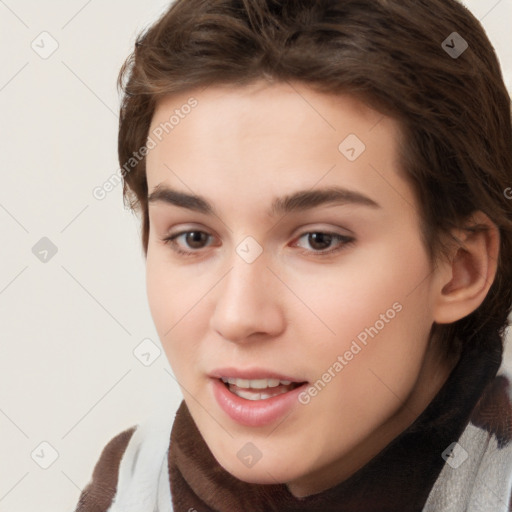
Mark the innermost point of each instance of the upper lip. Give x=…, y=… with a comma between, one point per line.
x=252, y=374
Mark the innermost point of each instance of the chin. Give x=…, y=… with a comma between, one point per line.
x=262, y=472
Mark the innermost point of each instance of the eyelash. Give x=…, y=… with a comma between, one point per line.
x=344, y=239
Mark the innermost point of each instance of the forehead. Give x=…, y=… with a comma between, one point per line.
x=263, y=137
x=261, y=104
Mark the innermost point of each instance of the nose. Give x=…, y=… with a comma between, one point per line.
x=248, y=303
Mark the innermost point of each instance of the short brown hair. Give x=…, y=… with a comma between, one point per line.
x=453, y=111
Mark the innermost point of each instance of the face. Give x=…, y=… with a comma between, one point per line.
x=287, y=278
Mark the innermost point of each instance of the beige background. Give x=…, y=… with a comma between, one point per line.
x=69, y=326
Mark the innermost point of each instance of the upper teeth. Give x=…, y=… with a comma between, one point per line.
x=256, y=383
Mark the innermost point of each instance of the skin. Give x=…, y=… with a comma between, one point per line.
x=292, y=310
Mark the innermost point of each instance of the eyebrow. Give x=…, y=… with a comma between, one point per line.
x=297, y=201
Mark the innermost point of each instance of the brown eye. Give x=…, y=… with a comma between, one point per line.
x=322, y=243
x=188, y=242
x=319, y=241
x=195, y=239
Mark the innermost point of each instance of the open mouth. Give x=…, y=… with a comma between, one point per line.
x=255, y=397
x=259, y=389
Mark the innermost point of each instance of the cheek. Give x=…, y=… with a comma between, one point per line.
x=365, y=290
x=381, y=316
x=174, y=298
x=160, y=290
x=376, y=317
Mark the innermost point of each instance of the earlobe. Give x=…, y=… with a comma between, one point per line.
x=465, y=278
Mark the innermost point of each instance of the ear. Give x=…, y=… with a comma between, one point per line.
x=464, y=278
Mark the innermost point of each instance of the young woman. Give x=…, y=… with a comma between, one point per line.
x=328, y=239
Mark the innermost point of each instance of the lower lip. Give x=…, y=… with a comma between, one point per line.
x=254, y=413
